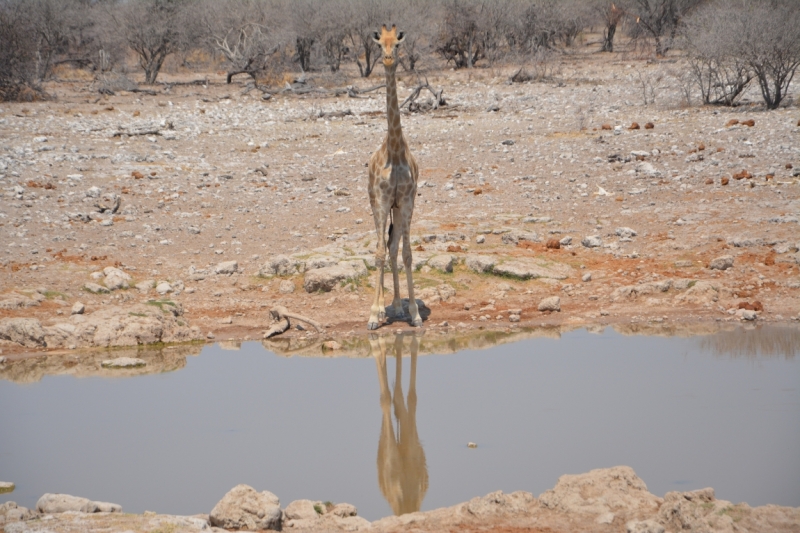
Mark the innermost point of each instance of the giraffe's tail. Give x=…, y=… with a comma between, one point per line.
x=391, y=230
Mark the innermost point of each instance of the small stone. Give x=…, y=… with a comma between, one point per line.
x=226, y=267
x=552, y=303
x=513, y=318
x=78, y=308
x=592, y=241
x=566, y=241
x=163, y=288
x=471, y=445
x=95, y=288
x=146, y=285
x=747, y=314
x=210, y=335
x=123, y=362
x=625, y=232
x=443, y=263
x=586, y=277
x=287, y=286
x=480, y=239
x=721, y=263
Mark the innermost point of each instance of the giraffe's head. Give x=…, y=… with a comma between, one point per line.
x=389, y=40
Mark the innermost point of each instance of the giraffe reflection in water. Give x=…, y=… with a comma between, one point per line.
x=402, y=472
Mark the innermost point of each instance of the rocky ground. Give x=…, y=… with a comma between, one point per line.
x=189, y=212
x=605, y=500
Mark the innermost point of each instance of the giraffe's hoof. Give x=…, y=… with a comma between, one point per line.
x=373, y=325
x=417, y=323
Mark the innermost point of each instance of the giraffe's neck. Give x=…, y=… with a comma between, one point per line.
x=395, y=135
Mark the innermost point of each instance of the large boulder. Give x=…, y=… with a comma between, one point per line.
x=532, y=269
x=325, y=279
x=25, y=331
x=61, y=503
x=303, y=510
x=442, y=263
x=115, y=278
x=480, y=263
x=226, y=267
x=244, y=508
x=281, y=265
x=601, y=493
x=11, y=512
x=155, y=322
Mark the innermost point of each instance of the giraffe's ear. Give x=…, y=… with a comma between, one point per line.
x=400, y=36
x=376, y=37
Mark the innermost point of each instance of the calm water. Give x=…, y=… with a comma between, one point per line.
x=685, y=413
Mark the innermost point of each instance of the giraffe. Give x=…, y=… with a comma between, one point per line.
x=392, y=190
x=402, y=470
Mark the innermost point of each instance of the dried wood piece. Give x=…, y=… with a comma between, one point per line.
x=277, y=328
x=280, y=313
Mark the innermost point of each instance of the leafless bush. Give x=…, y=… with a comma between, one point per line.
x=720, y=73
x=770, y=42
x=241, y=31
x=541, y=65
x=650, y=82
x=658, y=20
x=364, y=17
x=459, y=40
x=732, y=43
x=17, y=53
x=153, y=29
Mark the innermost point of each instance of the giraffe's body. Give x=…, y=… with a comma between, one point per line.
x=392, y=190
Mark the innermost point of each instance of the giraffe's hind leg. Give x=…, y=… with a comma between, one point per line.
x=394, y=245
x=413, y=309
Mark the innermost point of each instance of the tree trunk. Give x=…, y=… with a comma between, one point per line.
x=608, y=38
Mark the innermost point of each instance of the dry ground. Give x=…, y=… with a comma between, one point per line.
x=228, y=175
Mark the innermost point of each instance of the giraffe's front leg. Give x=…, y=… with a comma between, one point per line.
x=377, y=313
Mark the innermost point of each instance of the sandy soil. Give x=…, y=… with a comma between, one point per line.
x=225, y=175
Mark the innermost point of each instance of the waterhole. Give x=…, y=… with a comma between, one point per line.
x=386, y=425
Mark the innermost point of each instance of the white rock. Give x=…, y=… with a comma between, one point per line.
x=552, y=303
x=95, y=288
x=592, y=241
x=78, y=308
x=480, y=263
x=163, y=288
x=443, y=263
x=721, y=263
x=226, y=267
x=303, y=510
x=61, y=503
x=244, y=508
x=146, y=285
x=287, y=286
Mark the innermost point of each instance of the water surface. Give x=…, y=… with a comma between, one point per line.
x=720, y=410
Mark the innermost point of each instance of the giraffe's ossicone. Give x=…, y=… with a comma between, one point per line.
x=392, y=190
